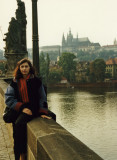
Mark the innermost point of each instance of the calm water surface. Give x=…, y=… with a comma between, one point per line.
x=90, y=115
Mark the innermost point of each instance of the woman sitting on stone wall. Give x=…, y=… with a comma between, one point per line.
x=26, y=95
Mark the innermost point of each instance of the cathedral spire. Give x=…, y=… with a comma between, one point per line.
x=69, y=31
x=77, y=39
x=115, y=42
x=69, y=38
x=63, y=40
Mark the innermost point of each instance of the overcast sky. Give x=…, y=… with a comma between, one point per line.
x=95, y=19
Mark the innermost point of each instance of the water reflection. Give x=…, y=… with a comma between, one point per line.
x=90, y=115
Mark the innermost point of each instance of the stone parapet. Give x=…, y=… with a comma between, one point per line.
x=47, y=140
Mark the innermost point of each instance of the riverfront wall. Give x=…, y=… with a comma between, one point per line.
x=85, y=85
x=47, y=140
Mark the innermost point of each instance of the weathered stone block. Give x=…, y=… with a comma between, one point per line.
x=50, y=141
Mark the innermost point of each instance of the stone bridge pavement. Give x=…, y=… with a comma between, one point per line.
x=6, y=149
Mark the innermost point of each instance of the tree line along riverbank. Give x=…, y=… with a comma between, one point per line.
x=85, y=85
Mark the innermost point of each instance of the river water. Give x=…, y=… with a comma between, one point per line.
x=90, y=115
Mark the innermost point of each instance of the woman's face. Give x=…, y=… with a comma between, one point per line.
x=24, y=69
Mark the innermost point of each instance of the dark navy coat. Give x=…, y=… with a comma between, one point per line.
x=36, y=94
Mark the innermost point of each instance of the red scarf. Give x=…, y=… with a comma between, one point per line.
x=23, y=89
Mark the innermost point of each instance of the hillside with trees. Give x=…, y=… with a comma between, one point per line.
x=87, y=56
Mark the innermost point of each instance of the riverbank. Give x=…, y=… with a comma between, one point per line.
x=111, y=84
x=85, y=85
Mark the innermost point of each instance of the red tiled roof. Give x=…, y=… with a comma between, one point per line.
x=111, y=61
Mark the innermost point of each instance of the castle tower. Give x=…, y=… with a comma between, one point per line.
x=115, y=42
x=69, y=38
x=63, y=40
x=77, y=36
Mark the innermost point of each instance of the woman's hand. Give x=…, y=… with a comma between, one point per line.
x=27, y=111
x=47, y=117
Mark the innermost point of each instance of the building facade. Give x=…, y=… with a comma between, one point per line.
x=111, y=67
x=71, y=44
x=81, y=71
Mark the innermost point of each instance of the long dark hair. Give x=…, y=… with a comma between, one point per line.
x=18, y=74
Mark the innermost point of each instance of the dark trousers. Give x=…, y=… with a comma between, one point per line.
x=20, y=134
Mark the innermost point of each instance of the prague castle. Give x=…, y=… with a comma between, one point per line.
x=74, y=45
x=71, y=44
